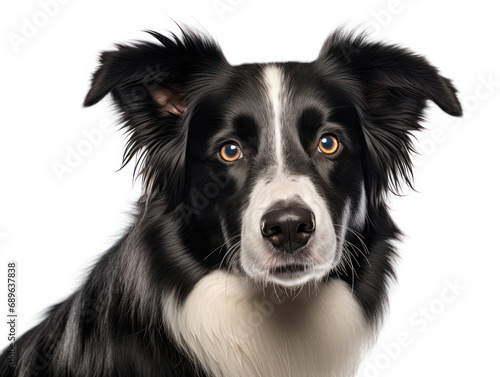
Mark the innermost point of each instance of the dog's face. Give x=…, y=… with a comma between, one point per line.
x=287, y=144
x=273, y=165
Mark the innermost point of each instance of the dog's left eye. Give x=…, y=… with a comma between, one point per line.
x=231, y=152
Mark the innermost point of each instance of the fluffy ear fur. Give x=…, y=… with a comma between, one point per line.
x=390, y=86
x=151, y=84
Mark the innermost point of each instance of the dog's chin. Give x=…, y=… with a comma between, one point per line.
x=294, y=276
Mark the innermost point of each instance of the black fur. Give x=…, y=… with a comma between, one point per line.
x=175, y=97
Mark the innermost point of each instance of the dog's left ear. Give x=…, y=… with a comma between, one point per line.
x=151, y=84
x=390, y=87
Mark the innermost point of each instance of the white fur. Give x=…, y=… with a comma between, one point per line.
x=233, y=330
x=257, y=257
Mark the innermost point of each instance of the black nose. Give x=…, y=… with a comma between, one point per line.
x=288, y=228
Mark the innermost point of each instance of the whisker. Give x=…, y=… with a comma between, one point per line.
x=229, y=251
x=221, y=246
x=358, y=235
x=357, y=248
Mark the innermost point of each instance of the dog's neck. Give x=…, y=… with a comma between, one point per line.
x=233, y=329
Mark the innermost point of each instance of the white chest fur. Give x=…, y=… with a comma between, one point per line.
x=234, y=331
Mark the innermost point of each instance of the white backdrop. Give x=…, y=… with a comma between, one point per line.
x=444, y=310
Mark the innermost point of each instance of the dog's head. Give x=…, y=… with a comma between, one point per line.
x=271, y=164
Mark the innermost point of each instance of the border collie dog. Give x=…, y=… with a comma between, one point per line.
x=262, y=244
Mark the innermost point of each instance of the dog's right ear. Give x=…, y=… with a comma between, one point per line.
x=159, y=73
x=151, y=84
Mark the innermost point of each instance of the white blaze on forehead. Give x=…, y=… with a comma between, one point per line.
x=273, y=78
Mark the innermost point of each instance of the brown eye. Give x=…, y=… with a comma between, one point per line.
x=230, y=152
x=328, y=144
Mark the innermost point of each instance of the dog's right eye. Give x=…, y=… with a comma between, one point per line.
x=231, y=152
x=328, y=144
